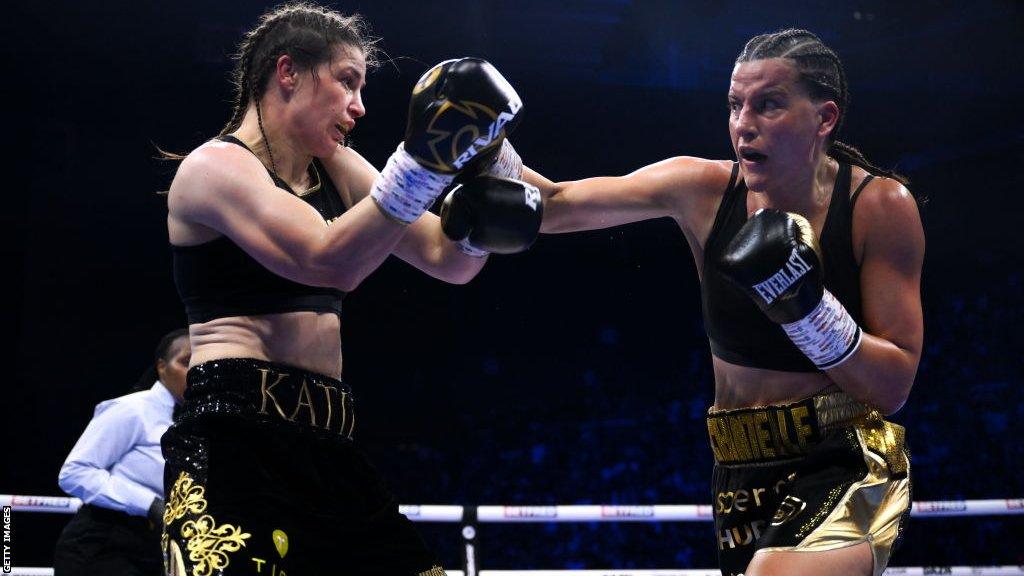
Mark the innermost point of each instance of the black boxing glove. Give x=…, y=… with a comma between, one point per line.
x=487, y=214
x=459, y=110
x=776, y=260
x=502, y=161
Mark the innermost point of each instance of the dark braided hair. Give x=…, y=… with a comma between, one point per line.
x=821, y=74
x=162, y=352
x=309, y=34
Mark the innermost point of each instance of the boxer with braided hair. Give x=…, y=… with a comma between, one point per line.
x=822, y=76
x=810, y=264
x=270, y=223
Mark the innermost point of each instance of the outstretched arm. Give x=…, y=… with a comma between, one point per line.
x=671, y=187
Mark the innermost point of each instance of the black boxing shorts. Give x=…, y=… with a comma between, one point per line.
x=262, y=478
x=820, y=474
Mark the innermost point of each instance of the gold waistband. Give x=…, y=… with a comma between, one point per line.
x=769, y=433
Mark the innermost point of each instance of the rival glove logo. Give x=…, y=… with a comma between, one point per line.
x=454, y=123
x=532, y=197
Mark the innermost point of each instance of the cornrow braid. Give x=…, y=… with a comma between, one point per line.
x=823, y=77
x=305, y=31
x=308, y=33
x=241, y=77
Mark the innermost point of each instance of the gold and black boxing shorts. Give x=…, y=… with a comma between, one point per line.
x=262, y=477
x=820, y=474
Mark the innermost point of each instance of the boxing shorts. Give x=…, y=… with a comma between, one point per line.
x=262, y=478
x=820, y=474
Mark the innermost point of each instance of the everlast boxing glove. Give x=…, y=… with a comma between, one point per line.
x=459, y=110
x=775, y=259
x=488, y=214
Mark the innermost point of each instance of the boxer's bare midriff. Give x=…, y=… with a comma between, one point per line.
x=307, y=340
x=744, y=387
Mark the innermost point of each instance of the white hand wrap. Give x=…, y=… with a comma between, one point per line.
x=828, y=335
x=508, y=164
x=405, y=190
x=469, y=250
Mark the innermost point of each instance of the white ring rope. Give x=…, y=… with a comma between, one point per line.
x=918, y=571
x=63, y=505
x=703, y=513
x=575, y=513
x=601, y=513
x=895, y=571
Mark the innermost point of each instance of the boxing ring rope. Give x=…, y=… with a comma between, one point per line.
x=469, y=516
x=702, y=512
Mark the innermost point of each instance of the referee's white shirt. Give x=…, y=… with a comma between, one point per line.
x=117, y=463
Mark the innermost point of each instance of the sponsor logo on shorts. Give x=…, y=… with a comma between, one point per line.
x=280, y=541
x=742, y=535
x=788, y=509
x=745, y=499
x=264, y=566
x=739, y=500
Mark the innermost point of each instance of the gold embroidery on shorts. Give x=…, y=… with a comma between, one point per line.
x=887, y=440
x=824, y=510
x=185, y=497
x=207, y=543
x=434, y=571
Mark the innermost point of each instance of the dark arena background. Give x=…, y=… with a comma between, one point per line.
x=575, y=373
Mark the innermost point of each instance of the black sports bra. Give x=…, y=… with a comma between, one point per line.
x=738, y=331
x=218, y=279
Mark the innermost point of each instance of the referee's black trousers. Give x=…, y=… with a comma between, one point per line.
x=99, y=541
